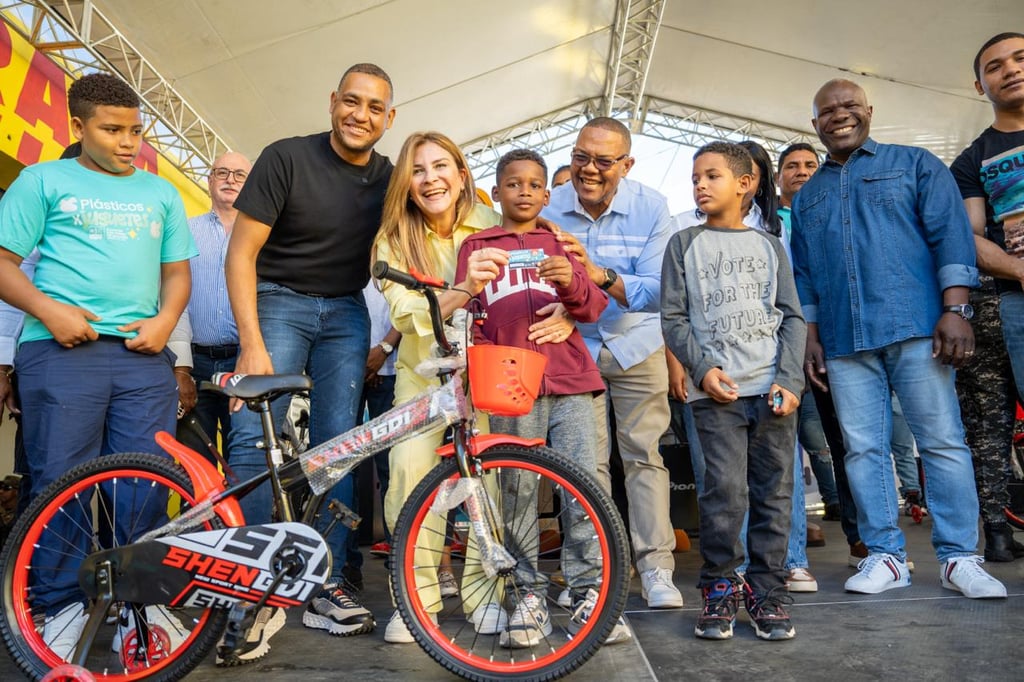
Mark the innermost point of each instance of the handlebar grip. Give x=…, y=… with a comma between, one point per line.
x=381, y=270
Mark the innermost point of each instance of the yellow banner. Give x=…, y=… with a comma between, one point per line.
x=35, y=125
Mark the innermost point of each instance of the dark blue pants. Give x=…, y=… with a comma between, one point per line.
x=211, y=410
x=95, y=399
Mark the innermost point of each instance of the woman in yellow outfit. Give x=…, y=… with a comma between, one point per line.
x=429, y=209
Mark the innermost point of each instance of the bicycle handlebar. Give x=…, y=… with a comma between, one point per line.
x=417, y=281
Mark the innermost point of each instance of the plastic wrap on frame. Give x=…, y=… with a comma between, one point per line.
x=494, y=558
x=199, y=514
x=329, y=462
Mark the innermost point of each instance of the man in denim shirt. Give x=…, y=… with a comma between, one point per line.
x=883, y=257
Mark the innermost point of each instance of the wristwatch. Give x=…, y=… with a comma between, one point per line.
x=964, y=310
x=610, y=278
x=386, y=347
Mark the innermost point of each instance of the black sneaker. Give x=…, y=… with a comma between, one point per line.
x=353, y=576
x=338, y=612
x=721, y=601
x=768, y=612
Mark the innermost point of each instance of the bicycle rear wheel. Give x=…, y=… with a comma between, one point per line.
x=593, y=553
x=108, y=502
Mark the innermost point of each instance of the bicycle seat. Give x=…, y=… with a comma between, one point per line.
x=257, y=386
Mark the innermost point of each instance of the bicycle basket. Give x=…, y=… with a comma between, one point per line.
x=505, y=380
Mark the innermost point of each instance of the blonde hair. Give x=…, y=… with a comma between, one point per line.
x=403, y=227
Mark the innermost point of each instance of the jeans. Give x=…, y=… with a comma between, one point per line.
x=328, y=339
x=95, y=399
x=1011, y=311
x=796, y=551
x=811, y=437
x=903, y=451
x=375, y=401
x=748, y=454
x=211, y=410
x=834, y=437
x=567, y=421
x=860, y=387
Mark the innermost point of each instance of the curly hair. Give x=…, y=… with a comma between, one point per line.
x=519, y=155
x=99, y=89
x=737, y=158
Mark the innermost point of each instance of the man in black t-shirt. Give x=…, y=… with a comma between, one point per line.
x=296, y=266
x=990, y=174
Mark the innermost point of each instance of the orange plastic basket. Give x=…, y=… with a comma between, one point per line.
x=505, y=380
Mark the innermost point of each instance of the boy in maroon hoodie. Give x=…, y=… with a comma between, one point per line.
x=532, y=270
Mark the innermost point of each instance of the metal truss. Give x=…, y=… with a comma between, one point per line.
x=77, y=36
x=634, y=33
x=693, y=127
x=663, y=119
x=545, y=134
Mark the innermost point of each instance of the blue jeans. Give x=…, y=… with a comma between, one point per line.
x=95, y=399
x=903, y=451
x=1011, y=311
x=860, y=386
x=811, y=437
x=328, y=339
x=376, y=400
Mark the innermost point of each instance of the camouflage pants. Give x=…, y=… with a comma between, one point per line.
x=988, y=400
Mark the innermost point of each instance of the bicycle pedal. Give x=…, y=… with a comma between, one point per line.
x=241, y=617
x=344, y=515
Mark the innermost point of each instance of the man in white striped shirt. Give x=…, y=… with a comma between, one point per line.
x=214, y=334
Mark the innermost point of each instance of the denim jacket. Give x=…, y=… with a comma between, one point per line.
x=875, y=242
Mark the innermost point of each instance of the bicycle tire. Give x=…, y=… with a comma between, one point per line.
x=453, y=641
x=113, y=494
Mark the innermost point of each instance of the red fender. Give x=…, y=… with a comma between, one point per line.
x=206, y=480
x=478, y=444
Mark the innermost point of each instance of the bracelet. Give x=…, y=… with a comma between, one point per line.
x=183, y=370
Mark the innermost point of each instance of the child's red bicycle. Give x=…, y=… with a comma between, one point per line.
x=154, y=561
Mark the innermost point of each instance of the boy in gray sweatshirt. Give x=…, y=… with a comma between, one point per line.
x=730, y=313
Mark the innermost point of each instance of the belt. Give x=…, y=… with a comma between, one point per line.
x=229, y=350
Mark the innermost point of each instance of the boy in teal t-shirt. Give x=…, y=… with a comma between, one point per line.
x=113, y=277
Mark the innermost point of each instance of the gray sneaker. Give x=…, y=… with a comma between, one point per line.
x=338, y=612
x=581, y=610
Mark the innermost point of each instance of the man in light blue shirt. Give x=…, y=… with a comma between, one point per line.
x=619, y=229
x=214, y=334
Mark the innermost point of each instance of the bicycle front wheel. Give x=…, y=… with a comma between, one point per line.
x=538, y=620
x=108, y=502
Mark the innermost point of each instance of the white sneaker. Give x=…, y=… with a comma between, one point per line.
x=565, y=599
x=878, y=573
x=581, y=613
x=396, y=632
x=448, y=584
x=268, y=622
x=801, y=580
x=530, y=623
x=489, y=619
x=165, y=631
x=965, y=574
x=62, y=630
x=658, y=589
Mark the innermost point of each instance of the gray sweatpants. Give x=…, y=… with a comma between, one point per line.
x=567, y=421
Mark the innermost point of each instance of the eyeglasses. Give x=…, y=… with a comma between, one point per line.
x=223, y=173
x=581, y=159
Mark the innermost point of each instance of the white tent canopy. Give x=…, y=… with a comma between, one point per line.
x=258, y=70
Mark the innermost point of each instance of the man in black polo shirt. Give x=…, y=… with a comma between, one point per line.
x=296, y=266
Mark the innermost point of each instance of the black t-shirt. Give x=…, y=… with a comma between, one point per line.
x=992, y=168
x=324, y=214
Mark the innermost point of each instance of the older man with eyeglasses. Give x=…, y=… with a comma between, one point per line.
x=214, y=334
x=619, y=229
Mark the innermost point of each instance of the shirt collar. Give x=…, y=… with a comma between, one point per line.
x=620, y=202
x=869, y=147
